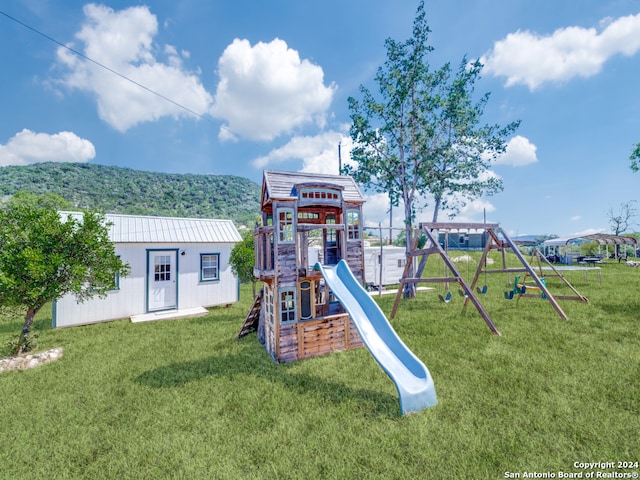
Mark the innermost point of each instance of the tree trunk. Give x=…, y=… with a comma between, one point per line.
x=409, y=288
x=436, y=209
x=26, y=330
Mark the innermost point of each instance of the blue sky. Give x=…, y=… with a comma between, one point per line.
x=242, y=86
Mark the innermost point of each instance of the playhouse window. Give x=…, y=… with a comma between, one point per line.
x=268, y=304
x=308, y=216
x=306, y=303
x=287, y=305
x=209, y=267
x=353, y=224
x=323, y=194
x=285, y=225
x=331, y=232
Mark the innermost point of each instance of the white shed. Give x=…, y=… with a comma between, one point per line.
x=386, y=263
x=178, y=267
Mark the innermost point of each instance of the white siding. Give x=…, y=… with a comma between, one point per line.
x=194, y=293
x=393, y=263
x=130, y=298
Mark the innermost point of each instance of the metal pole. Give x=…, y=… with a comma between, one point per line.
x=390, y=221
x=380, y=262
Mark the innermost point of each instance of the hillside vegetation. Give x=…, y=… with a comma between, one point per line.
x=123, y=190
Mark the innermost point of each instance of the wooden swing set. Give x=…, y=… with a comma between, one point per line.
x=497, y=239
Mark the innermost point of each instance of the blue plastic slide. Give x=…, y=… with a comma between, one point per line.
x=411, y=377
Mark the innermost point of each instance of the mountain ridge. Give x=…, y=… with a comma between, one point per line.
x=112, y=189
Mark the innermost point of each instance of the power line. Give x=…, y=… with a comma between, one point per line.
x=80, y=54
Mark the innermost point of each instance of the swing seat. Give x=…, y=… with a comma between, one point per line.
x=533, y=288
x=482, y=291
x=516, y=290
x=462, y=293
x=446, y=298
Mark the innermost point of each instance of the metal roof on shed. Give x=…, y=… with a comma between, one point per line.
x=280, y=185
x=145, y=229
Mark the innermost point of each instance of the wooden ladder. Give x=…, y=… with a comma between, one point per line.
x=253, y=317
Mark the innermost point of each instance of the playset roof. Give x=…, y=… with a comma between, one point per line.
x=279, y=185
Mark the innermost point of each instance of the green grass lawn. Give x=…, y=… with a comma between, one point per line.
x=184, y=399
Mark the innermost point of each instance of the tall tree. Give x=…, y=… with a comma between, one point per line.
x=423, y=137
x=44, y=256
x=462, y=154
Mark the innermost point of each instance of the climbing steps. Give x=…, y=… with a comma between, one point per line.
x=251, y=322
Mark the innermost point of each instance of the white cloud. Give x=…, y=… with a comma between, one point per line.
x=27, y=147
x=319, y=153
x=527, y=58
x=123, y=42
x=588, y=231
x=576, y=218
x=172, y=54
x=520, y=152
x=266, y=90
x=472, y=212
x=376, y=212
x=336, y=149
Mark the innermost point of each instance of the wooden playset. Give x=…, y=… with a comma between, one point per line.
x=296, y=315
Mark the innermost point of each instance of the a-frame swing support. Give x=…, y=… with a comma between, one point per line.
x=433, y=246
x=494, y=231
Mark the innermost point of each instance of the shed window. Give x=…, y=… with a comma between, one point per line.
x=209, y=267
x=287, y=305
x=116, y=280
x=285, y=225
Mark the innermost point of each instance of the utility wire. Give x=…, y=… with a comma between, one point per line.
x=80, y=54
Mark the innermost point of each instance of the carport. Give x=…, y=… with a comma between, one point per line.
x=560, y=246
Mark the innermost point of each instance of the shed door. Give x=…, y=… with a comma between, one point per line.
x=162, y=285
